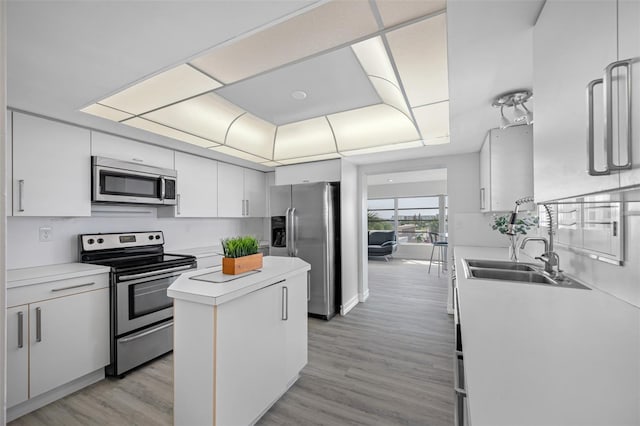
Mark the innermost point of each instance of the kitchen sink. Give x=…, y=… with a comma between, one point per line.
x=522, y=276
x=516, y=273
x=500, y=264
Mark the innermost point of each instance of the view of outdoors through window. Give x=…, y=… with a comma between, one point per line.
x=415, y=219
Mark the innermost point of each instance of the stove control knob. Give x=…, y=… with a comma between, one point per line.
x=151, y=237
x=90, y=241
x=100, y=241
x=157, y=237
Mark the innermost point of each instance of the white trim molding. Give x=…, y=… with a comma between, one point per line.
x=346, y=307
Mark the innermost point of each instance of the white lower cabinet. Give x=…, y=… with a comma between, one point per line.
x=57, y=332
x=295, y=326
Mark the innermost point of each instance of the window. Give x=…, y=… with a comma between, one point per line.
x=413, y=218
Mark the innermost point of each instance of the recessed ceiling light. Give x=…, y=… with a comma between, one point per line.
x=299, y=95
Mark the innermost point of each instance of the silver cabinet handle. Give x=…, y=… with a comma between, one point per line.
x=247, y=201
x=285, y=303
x=482, y=199
x=38, y=325
x=308, y=286
x=590, y=131
x=72, y=286
x=608, y=102
x=20, y=329
x=20, y=195
x=178, y=204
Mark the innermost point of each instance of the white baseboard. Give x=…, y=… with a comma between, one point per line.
x=363, y=296
x=346, y=307
x=53, y=395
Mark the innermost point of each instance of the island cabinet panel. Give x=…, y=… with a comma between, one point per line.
x=250, y=344
x=296, y=326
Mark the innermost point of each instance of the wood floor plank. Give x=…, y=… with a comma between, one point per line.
x=388, y=362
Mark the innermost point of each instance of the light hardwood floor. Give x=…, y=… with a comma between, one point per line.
x=388, y=362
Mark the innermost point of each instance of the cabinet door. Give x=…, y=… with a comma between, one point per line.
x=197, y=186
x=70, y=339
x=230, y=190
x=629, y=47
x=255, y=193
x=295, y=348
x=110, y=146
x=485, y=174
x=573, y=43
x=17, y=355
x=249, y=346
x=511, y=166
x=51, y=168
x=8, y=164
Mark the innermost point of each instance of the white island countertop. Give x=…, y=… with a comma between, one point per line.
x=542, y=356
x=208, y=293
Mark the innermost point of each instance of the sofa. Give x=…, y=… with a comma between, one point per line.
x=382, y=244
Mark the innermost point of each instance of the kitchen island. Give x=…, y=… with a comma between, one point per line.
x=546, y=355
x=239, y=344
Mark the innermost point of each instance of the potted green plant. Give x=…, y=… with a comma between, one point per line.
x=523, y=224
x=240, y=255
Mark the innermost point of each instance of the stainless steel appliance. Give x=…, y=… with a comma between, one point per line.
x=141, y=312
x=116, y=181
x=305, y=223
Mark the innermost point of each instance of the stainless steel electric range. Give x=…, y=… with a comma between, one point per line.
x=141, y=311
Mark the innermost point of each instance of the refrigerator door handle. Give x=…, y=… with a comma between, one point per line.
x=287, y=230
x=293, y=232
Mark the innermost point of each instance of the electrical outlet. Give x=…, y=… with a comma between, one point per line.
x=46, y=233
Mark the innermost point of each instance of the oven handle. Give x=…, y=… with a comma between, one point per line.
x=146, y=333
x=152, y=273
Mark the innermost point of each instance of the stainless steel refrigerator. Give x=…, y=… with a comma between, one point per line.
x=305, y=223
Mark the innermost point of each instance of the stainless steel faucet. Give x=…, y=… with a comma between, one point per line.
x=550, y=258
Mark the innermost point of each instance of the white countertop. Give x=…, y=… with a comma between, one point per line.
x=42, y=274
x=274, y=268
x=541, y=356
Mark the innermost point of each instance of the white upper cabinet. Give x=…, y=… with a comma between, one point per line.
x=629, y=48
x=506, y=168
x=241, y=192
x=581, y=140
x=197, y=186
x=319, y=171
x=230, y=190
x=255, y=191
x=51, y=168
x=105, y=145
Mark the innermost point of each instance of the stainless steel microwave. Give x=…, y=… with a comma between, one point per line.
x=116, y=181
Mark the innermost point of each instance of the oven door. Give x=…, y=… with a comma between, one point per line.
x=123, y=186
x=141, y=299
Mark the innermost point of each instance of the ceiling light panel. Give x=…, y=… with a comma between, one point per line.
x=106, y=112
x=207, y=116
x=374, y=59
x=303, y=139
x=371, y=126
x=239, y=154
x=159, y=129
x=390, y=94
x=383, y=148
x=311, y=158
x=332, y=82
x=420, y=53
x=399, y=11
x=162, y=89
x=433, y=122
x=253, y=135
x=322, y=28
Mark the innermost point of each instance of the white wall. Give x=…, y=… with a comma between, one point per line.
x=3, y=201
x=26, y=250
x=409, y=189
x=349, y=218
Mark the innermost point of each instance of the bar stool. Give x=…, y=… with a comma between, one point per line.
x=441, y=253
